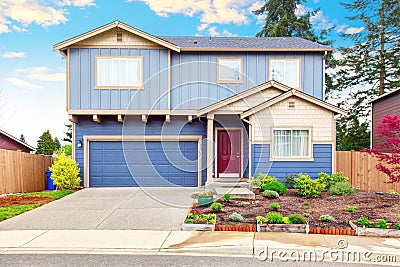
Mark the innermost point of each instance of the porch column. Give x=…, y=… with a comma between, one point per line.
x=210, y=146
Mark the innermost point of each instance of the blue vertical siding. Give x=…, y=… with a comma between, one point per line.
x=134, y=126
x=261, y=162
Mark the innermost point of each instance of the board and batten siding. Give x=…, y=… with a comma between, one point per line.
x=387, y=105
x=133, y=126
x=304, y=115
x=83, y=94
x=194, y=75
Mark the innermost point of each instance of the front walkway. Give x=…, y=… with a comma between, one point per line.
x=109, y=208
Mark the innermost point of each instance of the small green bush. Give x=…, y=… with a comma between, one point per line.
x=392, y=192
x=296, y=219
x=261, y=219
x=216, y=206
x=351, y=208
x=262, y=179
x=275, y=206
x=275, y=186
x=270, y=194
x=64, y=173
x=381, y=223
x=227, y=197
x=338, y=178
x=289, y=181
x=274, y=217
x=323, y=178
x=235, y=217
x=306, y=215
x=364, y=222
x=306, y=203
x=397, y=226
x=341, y=189
x=307, y=187
x=326, y=218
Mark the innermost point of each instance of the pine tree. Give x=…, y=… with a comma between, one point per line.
x=22, y=139
x=45, y=144
x=68, y=134
x=57, y=143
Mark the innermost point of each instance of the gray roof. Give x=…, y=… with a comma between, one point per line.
x=244, y=43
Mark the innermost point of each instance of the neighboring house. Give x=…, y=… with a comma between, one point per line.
x=190, y=110
x=388, y=103
x=9, y=142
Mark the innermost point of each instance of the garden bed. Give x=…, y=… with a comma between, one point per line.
x=373, y=231
x=369, y=204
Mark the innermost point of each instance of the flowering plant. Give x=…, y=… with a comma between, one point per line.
x=204, y=194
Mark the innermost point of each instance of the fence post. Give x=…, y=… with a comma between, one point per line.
x=352, y=169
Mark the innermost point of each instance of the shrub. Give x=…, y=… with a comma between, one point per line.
x=351, y=208
x=397, y=226
x=235, y=217
x=64, y=173
x=392, y=192
x=308, y=187
x=296, y=219
x=338, y=178
x=306, y=214
x=216, y=206
x=323, y=178
x=380, y=223
x=270, y=194
x=364, y=222
x=261, y=219
x=274, y=217
x=227, y=197
x=326, y=218
x=285, y=220
x=342, y=189
x=275, y=206
x=306, y=203
x=289, y=181
x=262, y=179
x=275, y=186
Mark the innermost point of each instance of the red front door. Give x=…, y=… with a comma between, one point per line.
x=229, y=153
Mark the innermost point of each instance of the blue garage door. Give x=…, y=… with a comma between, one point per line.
x=143, y=164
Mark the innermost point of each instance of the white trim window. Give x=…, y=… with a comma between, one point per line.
x=292, y=143
x=286, y=71
x=119, y=72
x=230, y=70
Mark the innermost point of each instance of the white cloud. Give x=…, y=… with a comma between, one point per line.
x=316, y=1
x=212, y=31
x=19, y=14
x=340, y=28
x=301, y=10
x=13, y=55
x=321, y=22
x=42, y=73
x=202, y=27
x=255, y=6
x=228, y=34
x=354, y=30
x=24, y=84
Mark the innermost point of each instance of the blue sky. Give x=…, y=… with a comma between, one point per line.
x=32, y=75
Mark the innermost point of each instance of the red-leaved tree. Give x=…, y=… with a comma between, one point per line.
x=389, y=163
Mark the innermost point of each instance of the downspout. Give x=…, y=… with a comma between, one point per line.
x=323, y=75
x=251, y=132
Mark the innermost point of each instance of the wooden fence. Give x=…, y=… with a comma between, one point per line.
x=360, y=167
x=22, y=172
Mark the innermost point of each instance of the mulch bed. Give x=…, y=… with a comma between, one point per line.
x=15, y=200
x=370, y=205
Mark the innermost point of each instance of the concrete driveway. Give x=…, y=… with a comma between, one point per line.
x=109, y=208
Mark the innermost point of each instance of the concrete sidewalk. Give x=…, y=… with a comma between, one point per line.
x=266, y=246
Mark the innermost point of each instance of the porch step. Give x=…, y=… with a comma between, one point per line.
x=235, y=192
x=229, y=185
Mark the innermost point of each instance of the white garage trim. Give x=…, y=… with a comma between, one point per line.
x=162, y=138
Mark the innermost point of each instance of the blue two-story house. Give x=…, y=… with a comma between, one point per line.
x=164, y=111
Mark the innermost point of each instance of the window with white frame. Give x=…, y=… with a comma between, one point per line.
x=292, y=143
x=119, y=72
x=229, y=70
x=286, y=71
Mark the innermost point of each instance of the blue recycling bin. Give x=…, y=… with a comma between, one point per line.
x=50, y=184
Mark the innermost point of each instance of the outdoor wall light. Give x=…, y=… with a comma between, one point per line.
x=79, y=144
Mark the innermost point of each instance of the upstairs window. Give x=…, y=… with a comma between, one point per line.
x=230, y=70
x=119, y=72
x=286, y=71
x=292, y=143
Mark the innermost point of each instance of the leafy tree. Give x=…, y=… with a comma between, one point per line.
x=57, y=143
x=22, y=138
x=68, y=134
x=45, y=144
x=351, y=134
x=65, y=173
x=389, y=163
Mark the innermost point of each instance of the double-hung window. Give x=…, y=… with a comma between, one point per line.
x=286, y=71
x=119, y=72
x=230, y=70
x=291, y=143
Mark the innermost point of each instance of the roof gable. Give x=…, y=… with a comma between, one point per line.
x=288, y=94
x=13, y=138
x=115, y=25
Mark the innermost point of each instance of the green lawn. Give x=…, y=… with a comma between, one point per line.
x=11, y=211
x=56, y=194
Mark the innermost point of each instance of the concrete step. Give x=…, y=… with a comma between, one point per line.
x=235, y=192
x=226, y=184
